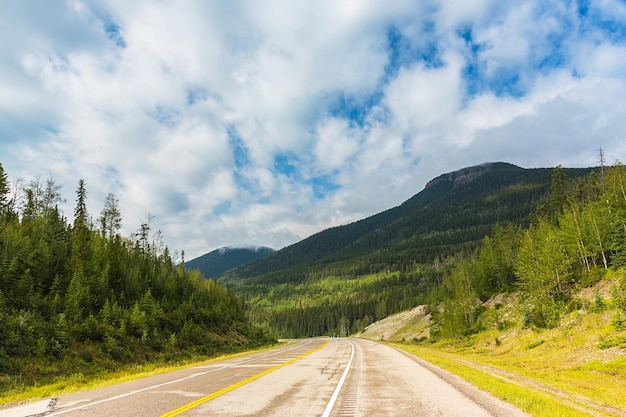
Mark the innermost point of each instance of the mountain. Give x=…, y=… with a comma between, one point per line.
x=453, y=213
x=215, y=263
x=344, y=278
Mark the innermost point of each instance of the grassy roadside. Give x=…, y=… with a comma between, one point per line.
x=576, y=369
x=533, y=401
x=80, y=382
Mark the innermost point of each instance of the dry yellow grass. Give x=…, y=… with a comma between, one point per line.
x=407, y=325
x=580, y=365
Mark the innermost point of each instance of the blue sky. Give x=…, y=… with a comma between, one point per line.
x=261, y=123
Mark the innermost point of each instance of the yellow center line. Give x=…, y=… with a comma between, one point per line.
x=223, y=391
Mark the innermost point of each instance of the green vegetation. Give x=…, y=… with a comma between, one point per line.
x=78, y=300
x=421, y=252
x=528, y=398
x=566, y=364
x=341, y=304
x=570, y=245
x=537, y=315
x=575, y=233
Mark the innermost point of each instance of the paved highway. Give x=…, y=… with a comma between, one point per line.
x=315, y=377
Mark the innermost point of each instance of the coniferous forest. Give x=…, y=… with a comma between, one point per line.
x=78, y=298
x=543, y=234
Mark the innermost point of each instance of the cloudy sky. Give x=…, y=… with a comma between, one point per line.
x=262, y=122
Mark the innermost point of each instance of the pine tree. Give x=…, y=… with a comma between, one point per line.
x=80, y=212
x=4, y=191
x=81, y=246
x=558, y=191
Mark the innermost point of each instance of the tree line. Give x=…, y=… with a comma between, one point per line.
x=544, y=242
x=452, y=214
x=79, y=297
x=573, y=240
x=341, y=305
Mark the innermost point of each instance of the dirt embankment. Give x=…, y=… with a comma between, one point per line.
x=405, y=326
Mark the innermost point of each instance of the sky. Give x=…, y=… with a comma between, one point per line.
x=231, y=123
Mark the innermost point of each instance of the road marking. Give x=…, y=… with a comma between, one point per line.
x=126, y=394
x=333, y=399
x=238, y=384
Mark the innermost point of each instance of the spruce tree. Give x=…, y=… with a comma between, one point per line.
x=558, y=191
x=4, y=191
x=80, y=212
x=81, y=247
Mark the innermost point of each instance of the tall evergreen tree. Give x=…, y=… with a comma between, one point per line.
x=558, y=191
x=80, y=211
x=81, y=248
x=4, y=191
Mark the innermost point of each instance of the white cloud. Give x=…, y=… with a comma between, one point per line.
x=423, y=100
x=145, y=99
x=336, y=143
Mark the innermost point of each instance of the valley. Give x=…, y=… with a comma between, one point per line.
x=528, y=305
x=513, y=279
x=342, y=279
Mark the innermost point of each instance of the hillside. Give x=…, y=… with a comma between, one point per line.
x=576, y=368
x=453, y=213
x=78, y=301
x=344, y=278
x=215, y=263
x=409, y=325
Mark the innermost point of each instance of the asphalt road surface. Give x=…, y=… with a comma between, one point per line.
x=315, y=377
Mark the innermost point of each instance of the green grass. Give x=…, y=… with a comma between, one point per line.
x=535, y=403
x=575, y=364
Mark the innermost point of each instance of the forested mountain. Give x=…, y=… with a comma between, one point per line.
x=79, y=299
x=215, y=263
x=453, y=213
x=343, y=278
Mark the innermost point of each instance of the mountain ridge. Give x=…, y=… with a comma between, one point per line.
x=432, y=220
x=343, y=278
x=462, y=175
x=215, y=263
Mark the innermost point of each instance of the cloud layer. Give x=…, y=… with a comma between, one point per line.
x=263, y=122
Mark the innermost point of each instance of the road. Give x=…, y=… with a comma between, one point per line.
x=314, y=377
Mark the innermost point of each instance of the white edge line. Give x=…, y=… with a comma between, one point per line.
x=117, y=397
x=333, y=399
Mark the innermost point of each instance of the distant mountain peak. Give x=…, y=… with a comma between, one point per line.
x=465, y=175
x=214, y=263
x=452, y=214
x=254, y=248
